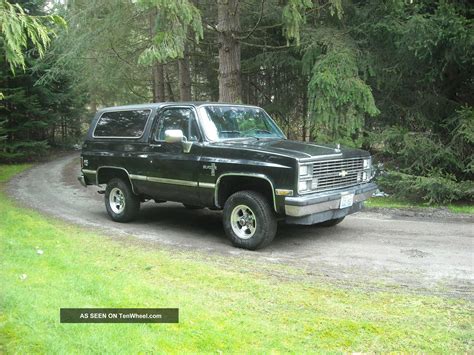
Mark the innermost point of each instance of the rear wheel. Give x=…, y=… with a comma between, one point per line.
x=121, y=203
x=331, y=222
x=249, y=221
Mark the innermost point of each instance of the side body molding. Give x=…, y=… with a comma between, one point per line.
x=117, y=168
x=258, y=176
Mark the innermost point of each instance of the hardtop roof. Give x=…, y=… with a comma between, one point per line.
x=157, y=105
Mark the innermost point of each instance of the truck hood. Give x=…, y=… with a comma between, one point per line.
x=293, y=149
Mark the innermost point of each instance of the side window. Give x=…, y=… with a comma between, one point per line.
x=127, y=124
x=178, y=118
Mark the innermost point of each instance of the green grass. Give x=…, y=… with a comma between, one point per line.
x=8, y=171
x=225, y=304
x=391, y=202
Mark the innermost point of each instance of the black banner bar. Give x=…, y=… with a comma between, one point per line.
x=119, y=315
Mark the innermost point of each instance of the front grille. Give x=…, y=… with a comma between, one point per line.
x=335, y=174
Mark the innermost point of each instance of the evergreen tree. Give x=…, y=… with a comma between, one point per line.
x=29, y=111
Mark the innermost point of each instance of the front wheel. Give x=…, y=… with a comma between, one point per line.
x=249, y=221
x=121, y=203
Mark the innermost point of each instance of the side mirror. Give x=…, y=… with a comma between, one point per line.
x=176, y=136
x=173, y=136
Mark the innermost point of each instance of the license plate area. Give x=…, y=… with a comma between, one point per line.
x=346, y=201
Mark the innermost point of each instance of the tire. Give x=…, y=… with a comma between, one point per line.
x=119, y=191
x=331, y=222
x=192, y=207
x=249, y=221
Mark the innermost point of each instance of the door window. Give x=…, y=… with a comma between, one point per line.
x=178, y=118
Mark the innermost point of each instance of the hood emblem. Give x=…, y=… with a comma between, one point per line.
x=338, y=148
x=343, y=173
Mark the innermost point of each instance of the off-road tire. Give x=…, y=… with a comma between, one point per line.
x=331, y=222
x=132, y=201
x=264, y=216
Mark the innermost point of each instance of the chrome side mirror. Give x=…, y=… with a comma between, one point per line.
x=173, y=136
x=176, y=136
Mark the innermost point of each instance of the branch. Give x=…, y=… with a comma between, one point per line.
x=256, y=25
x=119, y=56
x=267, y=46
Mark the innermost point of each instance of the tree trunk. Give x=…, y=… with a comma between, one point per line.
x=169, y=87
x=157, y=75
x=184, y=77
x=228, y=28
x=158, y=83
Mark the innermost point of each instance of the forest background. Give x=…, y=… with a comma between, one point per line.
x=394, y=77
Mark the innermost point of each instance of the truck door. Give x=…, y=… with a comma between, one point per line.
x=172, y=172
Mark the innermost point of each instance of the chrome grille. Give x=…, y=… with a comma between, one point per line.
x=335, y=174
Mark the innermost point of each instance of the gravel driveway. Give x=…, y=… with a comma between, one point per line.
x=368, y=250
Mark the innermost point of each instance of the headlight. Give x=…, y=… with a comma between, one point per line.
x=305, y=170
x=367, y=174
x=367, y=163
x=304, y=185
x=305, y=173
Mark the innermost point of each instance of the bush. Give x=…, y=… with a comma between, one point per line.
x=433, y=189
x=428, y=166
x=22, y=151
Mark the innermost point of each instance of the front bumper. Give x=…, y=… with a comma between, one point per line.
x=82, y=180
x=326, y=205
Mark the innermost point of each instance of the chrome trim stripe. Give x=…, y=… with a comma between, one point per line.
x=207, y=185
x=138, y=177
x=259, y=176
x=318, y=158
x=172, y=181
x=87, y=171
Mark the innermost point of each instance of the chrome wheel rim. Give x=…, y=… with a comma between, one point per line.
x=117, y=200
x=243, y=222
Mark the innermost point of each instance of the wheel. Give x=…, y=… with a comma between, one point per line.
x=249, y=221
x=121, y=203
x=331, y=222
x=192, y=207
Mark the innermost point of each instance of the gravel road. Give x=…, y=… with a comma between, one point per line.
x=368, y=250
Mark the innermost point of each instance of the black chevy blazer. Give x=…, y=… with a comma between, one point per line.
x=221, y=156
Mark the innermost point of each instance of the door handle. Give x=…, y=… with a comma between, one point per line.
x=155, y=145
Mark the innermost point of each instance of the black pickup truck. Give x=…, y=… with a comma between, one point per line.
x=221, y=156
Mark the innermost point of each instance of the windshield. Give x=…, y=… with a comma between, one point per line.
x=222, y=122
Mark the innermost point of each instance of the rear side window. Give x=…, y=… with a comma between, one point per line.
x=127, y=124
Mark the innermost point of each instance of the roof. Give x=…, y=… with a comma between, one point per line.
x=160, y=104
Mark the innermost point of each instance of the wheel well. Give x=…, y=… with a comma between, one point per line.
x=229, y=185
x=106, y=174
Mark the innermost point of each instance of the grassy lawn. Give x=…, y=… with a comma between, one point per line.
x=225, y=304
x=391, y=202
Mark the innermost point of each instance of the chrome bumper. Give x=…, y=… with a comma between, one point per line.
x=82, y=180
x=325, y=201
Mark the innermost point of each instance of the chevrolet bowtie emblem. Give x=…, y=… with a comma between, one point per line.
x=343, y=173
